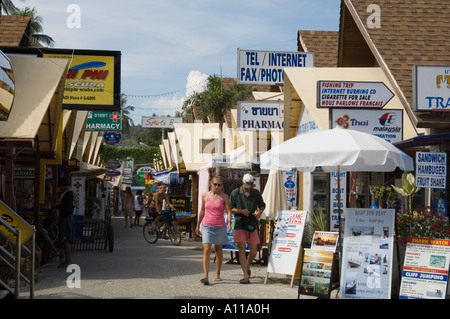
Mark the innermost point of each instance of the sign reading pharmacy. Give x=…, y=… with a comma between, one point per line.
x=266, y=67
x=104, y=121
x=353, y=94
x=431, y=169
x=260, y=116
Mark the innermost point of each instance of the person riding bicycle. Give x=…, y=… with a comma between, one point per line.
x=156, y=205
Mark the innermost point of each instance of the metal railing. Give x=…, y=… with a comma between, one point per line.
x=11, y=256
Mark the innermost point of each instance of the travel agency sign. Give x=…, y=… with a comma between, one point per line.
x=266, y=67
x=431, y=87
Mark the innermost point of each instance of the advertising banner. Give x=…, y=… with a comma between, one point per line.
x=290, y=186
x=353, y=94
x=287, y=241
x=315, y=278
x=425, y=270
x=15, y=221
x=7, y=87
x=266, y=67
x=92, y=79
x=386, y=124
x=367, y=253
x=160, y=122
x=431, y=169
x=334, y=215
x=78, y=186
x=431, y=87
x=260, y=116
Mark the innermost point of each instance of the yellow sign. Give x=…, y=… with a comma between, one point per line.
x=89, y=79
x=15, y=221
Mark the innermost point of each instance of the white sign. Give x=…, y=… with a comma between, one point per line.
x=266, y=67
x=260, y=116
x=367, y=255
x=425, y=270
x=160, y=122
x=386, y=124
x=78, y=186
x=334, y=215
x=287, y=241
x=431, y=87
x=353, y=94
x=431, y=169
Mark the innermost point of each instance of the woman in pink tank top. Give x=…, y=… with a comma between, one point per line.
x=212, y=227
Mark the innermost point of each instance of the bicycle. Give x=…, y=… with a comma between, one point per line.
x=168, y=223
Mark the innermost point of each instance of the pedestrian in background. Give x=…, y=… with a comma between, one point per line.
x=214, y=229
x=156, y=207
x=247, y=205
x=66, y=206
x=138, y=207
x=128, y=206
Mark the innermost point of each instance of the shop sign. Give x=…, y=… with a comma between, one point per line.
x=425, y=270
x=386, y=124
x=290, y=182
x=334, y=204
x=431, y=169
x=112, y=138
x=7, y=87
x=286, y=245
x=78, y=186
x=24, y=173
x=15, y=221
x=366, y=271
x=160, y=122
x=306, y=123
x=104, y=121
x=350, y=94
x=260, y=116
x=431, y=87
x=266, y=67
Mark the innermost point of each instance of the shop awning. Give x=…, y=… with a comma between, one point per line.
x=301, y=91
x=89, y=170
x=37, y=81
x=423, y=140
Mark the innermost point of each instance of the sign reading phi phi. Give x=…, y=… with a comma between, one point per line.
x=264, y=67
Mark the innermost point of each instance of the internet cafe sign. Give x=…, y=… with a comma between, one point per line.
x=431, y=87
x=266, y=67
x=260, y=116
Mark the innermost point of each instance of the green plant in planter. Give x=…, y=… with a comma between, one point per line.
x=409, y=188
x=93, y=205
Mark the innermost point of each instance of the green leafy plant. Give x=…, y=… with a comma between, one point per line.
x=423, y=223
x=409, y=188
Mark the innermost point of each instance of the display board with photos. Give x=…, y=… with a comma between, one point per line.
x=317, y=265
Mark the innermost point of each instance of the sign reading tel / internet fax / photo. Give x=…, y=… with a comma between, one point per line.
x=266, y=67
x=431, y=169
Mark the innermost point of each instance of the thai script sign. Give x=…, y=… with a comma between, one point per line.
x=104, y=121
x=386, y=124
x=260, y=116
x=431, y=87
x=367, y=255
x=431, y=169
x=425, y=270
x=353, y=94
x=266, y=67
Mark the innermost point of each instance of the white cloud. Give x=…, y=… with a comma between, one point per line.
x=196, y=82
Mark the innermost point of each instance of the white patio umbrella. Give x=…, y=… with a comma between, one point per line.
x=337, y=150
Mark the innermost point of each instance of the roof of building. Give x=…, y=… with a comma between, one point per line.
x=324, y=44
x=12, y=29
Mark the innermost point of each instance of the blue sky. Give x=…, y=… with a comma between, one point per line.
x=169, y=47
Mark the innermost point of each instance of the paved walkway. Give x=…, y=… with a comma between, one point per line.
x=136, y=270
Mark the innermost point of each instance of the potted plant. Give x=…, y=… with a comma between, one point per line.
x=382, y=193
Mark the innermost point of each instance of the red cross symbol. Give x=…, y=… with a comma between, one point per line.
x=77, y=185
x=115, y=116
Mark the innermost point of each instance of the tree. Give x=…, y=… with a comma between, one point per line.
x=8, y=7
x=215, y=101
x=127, y=121
x=35, y=36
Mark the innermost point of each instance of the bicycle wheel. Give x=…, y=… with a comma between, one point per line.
x=150, y=235
x=174, y=235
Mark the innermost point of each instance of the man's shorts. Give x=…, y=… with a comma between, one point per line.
x=241, y=235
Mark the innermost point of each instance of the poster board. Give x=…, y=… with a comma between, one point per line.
x=287, y=242
x=367, y=254
x=425, y=270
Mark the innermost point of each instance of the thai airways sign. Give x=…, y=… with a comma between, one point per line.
x=350, y=94
x=266, y=67
x=431, y=87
